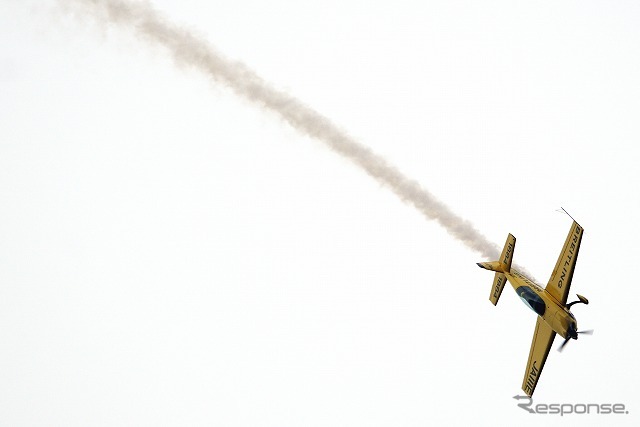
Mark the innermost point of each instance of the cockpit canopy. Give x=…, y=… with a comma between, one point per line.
x=531, y=299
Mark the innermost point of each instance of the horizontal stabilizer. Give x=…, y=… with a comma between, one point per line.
x=507, y=253
x=500, y=267
x=496, y=290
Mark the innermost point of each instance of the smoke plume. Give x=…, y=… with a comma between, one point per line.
x=190, y=50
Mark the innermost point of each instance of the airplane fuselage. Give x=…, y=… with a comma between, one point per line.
x=543, y=304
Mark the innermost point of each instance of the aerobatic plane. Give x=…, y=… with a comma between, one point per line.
x=550, y=303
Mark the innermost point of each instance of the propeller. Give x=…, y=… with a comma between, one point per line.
x=586, y=332
x=572, y=333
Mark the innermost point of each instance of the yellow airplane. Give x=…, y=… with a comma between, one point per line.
x=550, y=303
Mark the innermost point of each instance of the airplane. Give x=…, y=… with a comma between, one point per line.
x=550, y=303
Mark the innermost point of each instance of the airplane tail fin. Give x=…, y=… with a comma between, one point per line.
x=500, y=267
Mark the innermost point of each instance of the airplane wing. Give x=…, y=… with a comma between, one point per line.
x=542, y=340
x=560, y=280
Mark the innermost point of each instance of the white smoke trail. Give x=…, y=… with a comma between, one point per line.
x=188, y=49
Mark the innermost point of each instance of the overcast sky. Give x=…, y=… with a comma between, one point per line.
x=172, y=254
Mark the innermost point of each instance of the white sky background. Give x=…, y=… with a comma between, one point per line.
x=173, y=255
